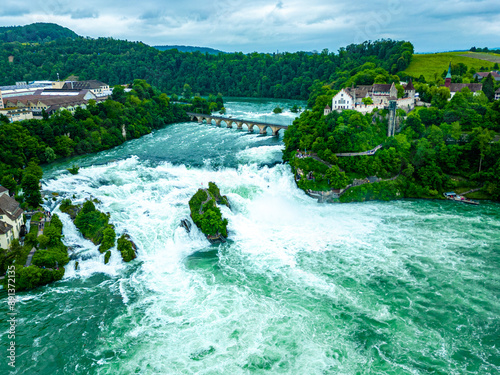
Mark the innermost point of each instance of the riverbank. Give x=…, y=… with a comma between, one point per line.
x=40, y=260
x=386, y=190
x=299, y=288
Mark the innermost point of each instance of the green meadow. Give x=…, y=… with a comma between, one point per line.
x=431, y=64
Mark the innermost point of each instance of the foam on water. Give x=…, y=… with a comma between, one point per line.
x=299, y=288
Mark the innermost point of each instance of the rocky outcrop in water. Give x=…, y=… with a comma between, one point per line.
x=206, y=215
x=94, y=225
x=127, y=248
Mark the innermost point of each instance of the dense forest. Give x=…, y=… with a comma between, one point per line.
x=211, y=51
x=35, y=33
x=99, y=127
x=450, y=145
x=283, y=75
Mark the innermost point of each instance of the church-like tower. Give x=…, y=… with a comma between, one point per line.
x=447, y=81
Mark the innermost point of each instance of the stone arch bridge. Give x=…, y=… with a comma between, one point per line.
x=229, y=121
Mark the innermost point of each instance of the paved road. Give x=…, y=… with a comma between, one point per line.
x=30, y=257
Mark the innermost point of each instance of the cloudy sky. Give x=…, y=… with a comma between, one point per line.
x=268, y=26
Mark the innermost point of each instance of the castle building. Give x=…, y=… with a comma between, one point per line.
x=380, y=94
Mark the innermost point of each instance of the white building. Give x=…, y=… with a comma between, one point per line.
x=11, y=218
x=380, y=94
x=343, y=100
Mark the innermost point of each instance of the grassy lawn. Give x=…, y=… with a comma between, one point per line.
x=429, y=64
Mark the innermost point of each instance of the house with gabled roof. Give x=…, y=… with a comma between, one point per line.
x=480, y=75
x=11, y=219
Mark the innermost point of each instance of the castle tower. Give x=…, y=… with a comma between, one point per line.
x=447, y=81
x=393, y=92
x=327, y=110
x=410, y=89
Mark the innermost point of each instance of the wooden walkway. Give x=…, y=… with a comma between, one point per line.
x=369, y=152
x=316, y=157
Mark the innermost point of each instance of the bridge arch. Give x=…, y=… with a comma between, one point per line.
x=262, y=129
x=229, y=121
x=276, y=130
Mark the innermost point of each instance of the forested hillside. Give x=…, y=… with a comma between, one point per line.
x=99, y=127
x=449, y=146
x=190, y=49
x=284, y=75
x=35, y=33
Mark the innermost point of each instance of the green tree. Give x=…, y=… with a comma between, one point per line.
x=108, y=239
x=31, y=190
x=337, y=179
x=481, y=138
x=119, y=94
x=8, y=182
x=489, y=87
x=401, y=90
x=187, y=92
x=43, y=241
x=50, y=155
x=126, y=248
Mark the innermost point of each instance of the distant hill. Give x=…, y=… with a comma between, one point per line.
x=429, y=64
x=35, y=33
x=210, y=51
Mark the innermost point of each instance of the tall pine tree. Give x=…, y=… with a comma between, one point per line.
x=489, y=87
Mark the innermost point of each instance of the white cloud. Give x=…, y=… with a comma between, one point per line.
x=263, y=25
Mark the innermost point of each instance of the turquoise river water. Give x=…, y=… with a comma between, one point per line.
x=403, y=287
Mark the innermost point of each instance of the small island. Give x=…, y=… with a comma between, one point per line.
x=94, y=225
x=206, y=215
